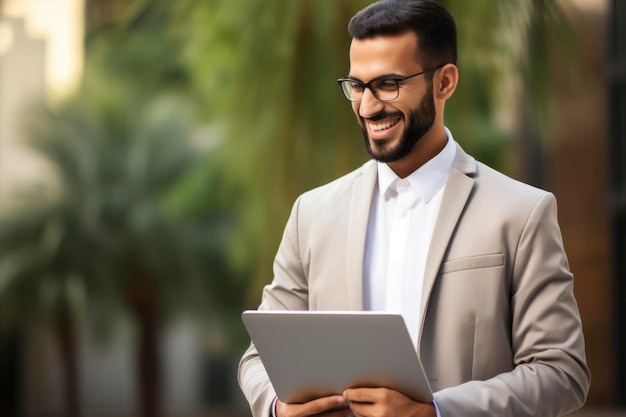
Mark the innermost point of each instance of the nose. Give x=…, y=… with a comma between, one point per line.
x=369, y=105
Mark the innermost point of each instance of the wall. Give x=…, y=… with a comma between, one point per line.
x=576, y=170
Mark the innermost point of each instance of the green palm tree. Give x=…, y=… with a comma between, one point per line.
x=267, y=70
x=105, y=233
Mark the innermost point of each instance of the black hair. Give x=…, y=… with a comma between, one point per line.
x=433, y=24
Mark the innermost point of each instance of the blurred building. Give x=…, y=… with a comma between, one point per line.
x=41, y=54
x=22, y=62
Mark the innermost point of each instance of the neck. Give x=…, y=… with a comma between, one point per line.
x=424, y=150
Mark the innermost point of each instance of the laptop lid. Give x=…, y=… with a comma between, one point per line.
x=311, y=354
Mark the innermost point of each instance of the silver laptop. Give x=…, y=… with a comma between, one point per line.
x=311, y=354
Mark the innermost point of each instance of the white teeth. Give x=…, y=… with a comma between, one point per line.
x=382, y=126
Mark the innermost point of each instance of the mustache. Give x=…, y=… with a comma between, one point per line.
x=383, y=115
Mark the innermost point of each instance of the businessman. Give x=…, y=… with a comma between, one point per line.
x=473, y=260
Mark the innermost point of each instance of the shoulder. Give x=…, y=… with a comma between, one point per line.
x=333, y=203
x=490, y=179
x=495, y=186
x=341, y=187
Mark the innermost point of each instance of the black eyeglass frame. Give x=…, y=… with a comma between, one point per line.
x=397, y=79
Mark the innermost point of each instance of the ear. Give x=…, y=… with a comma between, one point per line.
x=446, y=81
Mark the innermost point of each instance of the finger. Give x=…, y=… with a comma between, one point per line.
x=326, y=403
x=341, y=412
x=361, y=409
x=317, y=406
x=361, y=395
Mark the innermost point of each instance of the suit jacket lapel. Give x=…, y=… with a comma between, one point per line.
x=458, y=188
x=361, y=199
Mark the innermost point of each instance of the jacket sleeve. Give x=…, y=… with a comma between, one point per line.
x=549, y=376
x=288, y=291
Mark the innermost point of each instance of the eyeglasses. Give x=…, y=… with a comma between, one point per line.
x=384, y=88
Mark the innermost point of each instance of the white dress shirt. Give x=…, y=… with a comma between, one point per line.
x=401, y=224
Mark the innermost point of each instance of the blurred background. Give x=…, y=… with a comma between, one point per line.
x=150, y=152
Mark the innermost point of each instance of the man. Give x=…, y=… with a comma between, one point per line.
x=473, y=260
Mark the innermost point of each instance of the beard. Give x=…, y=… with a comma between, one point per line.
x=420, y=120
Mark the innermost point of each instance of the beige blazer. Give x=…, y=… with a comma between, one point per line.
x=501, y=333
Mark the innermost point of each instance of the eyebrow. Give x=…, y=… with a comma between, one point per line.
x=375, y=78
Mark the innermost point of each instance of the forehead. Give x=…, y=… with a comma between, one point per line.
x=380, y=55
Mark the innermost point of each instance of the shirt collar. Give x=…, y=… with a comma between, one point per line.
x=427, y=179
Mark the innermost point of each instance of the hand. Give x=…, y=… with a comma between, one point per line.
x=333, y=406
x=383, y=402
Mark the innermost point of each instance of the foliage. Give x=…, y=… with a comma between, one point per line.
x=115, y=168
x=102, y=230
x=504, y=58
x=268, y=72
x=135, y=45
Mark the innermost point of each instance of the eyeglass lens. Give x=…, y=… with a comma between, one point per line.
x=384, y=89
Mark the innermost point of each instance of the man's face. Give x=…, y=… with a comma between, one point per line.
x=391, y=129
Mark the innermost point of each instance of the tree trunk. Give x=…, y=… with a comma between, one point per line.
x=144, y=302
x=66, y=338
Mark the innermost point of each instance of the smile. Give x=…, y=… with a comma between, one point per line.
x=377, y=127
